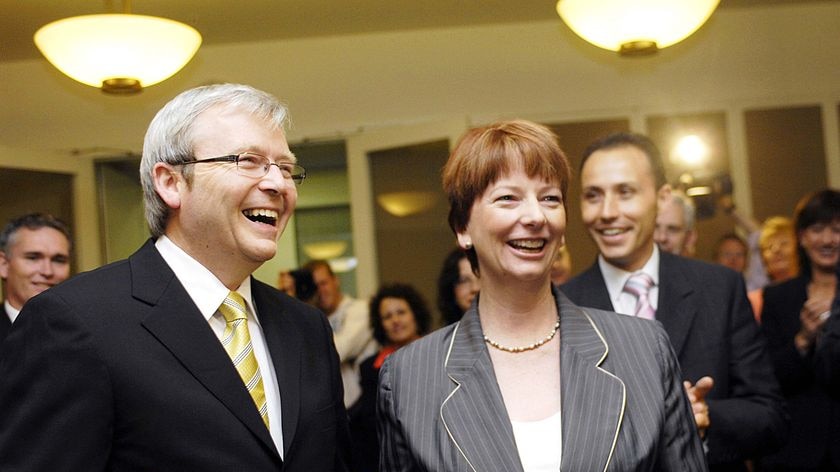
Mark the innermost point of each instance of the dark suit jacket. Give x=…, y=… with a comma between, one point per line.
x=117, y=370
x=5, y=323
x=815, y=416
x=705, y=311
x=623, y=405
x=828, y=351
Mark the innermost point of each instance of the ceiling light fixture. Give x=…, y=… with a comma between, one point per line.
x=119, y=53
x=634, y=28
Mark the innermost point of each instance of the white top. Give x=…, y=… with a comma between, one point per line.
x=208, y=293
x=540, y=443
x=615, y=279
x=354, y=342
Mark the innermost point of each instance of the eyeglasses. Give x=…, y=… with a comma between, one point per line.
x=257, y=166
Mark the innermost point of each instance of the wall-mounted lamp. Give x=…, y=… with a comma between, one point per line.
x=637, y=27
x=691, y=151
x=325, y=250
x=119, y=53
x=402, y=204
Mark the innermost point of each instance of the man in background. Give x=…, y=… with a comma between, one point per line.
x=675, y=225
x=703, y=307
x=350, y=322
x=34, y=256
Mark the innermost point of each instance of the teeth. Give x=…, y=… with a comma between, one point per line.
x=261, y=212
x=611, y=231
x=528, y=244
x=261, y=215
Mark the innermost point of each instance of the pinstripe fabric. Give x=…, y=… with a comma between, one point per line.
x=440, y=408
x=237, y=342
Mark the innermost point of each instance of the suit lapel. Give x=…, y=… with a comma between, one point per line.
x=283, y=338
x=5, y=323
x=474, y=410
x=175, y=322
x=591, y=290
x=593, y=399
x=676, y=311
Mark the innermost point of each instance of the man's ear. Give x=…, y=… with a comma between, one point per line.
x=168, y=184
x=4, y=266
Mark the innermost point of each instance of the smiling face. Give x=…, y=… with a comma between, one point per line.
x=821, y=242
x=398, y=321
x=779, y=255
x=227, y=221
x=516, y=226
x=36, y=260
x=618, y=205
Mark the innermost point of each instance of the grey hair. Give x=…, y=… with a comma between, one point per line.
x=32, y=221
x=687, y=204
x=169, y=137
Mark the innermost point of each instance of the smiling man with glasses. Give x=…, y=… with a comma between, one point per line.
x=177, y=359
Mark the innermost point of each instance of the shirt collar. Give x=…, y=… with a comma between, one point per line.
x=204, y=288
x=11, y=311
x=616, y=278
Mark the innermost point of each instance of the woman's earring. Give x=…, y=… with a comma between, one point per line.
x=468, y=246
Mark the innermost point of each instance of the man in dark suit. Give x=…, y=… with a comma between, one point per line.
x=703, y=308
x=34, y=256
x=177, y=359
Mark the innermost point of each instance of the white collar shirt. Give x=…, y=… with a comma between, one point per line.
x=208, y=293
x=616, y=278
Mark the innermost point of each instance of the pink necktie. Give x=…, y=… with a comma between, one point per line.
x=639, y=285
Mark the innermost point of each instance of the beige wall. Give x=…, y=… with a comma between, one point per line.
x=392, y=84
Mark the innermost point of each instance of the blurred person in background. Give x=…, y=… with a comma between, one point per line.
x=794, y=317
x=457, y=286
x=398, y=316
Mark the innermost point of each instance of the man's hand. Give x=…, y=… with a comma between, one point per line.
x=697, y=396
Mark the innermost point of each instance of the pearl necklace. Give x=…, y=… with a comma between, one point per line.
x=530, y=347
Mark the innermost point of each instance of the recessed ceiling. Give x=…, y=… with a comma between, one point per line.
x=224, y=21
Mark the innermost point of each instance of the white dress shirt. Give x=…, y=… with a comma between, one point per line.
x=208, y=293
x=616, y=278
x=11, y=311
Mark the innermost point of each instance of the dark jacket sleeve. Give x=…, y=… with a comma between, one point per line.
x=56, y=405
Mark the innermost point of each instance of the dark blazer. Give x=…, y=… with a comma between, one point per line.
x=827, y=353
x=5, y=323
x=117, y=370
x=705, y=311
x=814, y=414
x=623, y=405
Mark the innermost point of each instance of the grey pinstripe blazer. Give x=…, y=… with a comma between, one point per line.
x=623, y=404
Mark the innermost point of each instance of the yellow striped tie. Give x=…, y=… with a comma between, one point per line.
x=237, y=343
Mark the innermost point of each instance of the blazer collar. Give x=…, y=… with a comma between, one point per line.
x=174, y=320
x=592, y=398
x=677, y=309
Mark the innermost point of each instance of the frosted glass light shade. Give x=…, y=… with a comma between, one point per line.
x=118, y=52
x=635, y=26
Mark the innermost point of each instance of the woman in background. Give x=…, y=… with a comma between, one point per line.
x=398, y=315
x=777, y=246
x=457, y=286
x=793, y=318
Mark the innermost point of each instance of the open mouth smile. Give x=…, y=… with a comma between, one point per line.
x=261, y=215
x=530, y=245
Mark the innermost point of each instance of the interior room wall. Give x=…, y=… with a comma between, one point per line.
x=363, y=87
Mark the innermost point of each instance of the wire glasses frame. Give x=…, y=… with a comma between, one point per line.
x=257, y=166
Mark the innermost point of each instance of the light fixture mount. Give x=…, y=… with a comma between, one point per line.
x=635, y=27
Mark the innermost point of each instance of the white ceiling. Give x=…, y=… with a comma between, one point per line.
x=225, y=21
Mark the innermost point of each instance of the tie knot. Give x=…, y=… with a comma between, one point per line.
x=233, y=308
x=639, y=284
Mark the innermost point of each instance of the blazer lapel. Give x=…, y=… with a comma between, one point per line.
x=283, y=338
x=593, y=399
x=676, y=311
x=175, y=322
x=474, y=410
x=593, y=291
